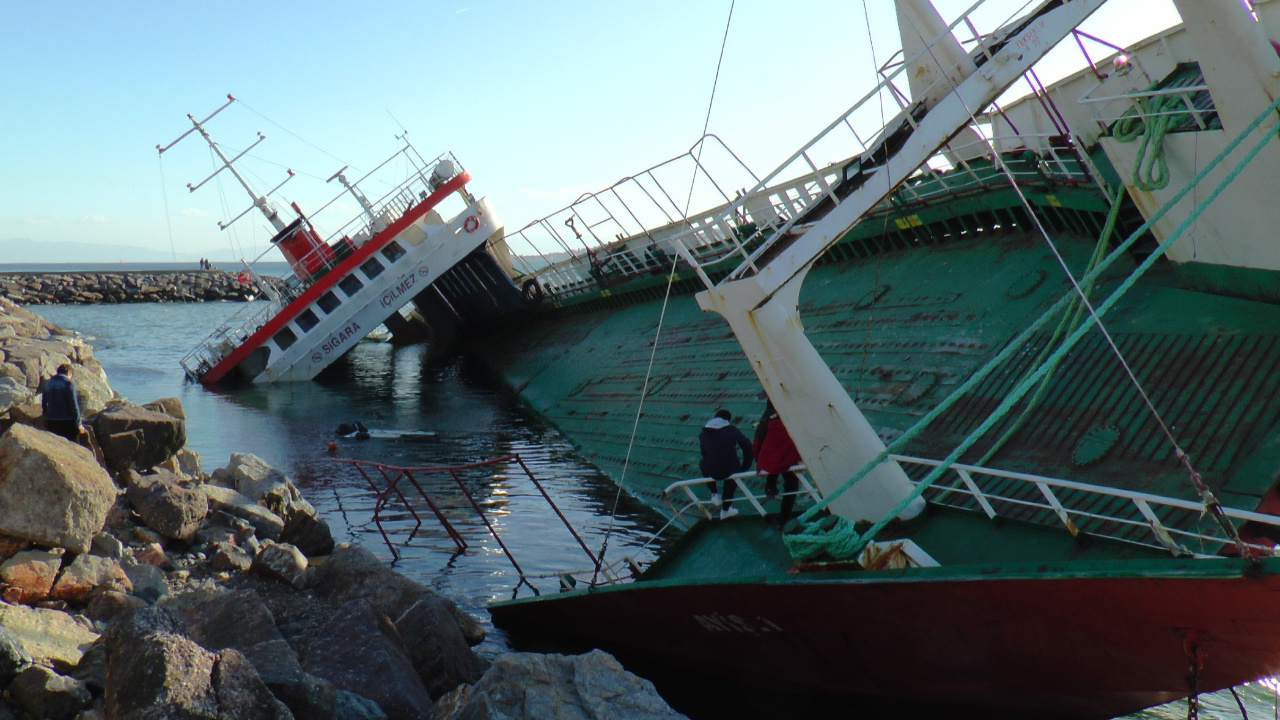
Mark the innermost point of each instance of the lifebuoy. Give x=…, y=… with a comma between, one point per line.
x=243, y=277
x=532, y=291
x=471, y=223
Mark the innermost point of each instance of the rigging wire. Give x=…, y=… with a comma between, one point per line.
x=671, y=277
x=296, y=136
x=168, y=219
x=1210, y=502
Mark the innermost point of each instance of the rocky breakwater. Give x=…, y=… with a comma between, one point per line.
x=136, y=585
x=129, y=287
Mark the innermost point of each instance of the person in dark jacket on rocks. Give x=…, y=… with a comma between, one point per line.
x=61, y=407
x=775, y=454
x=721, y=442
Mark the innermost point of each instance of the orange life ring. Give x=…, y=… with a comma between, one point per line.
x=471, y=223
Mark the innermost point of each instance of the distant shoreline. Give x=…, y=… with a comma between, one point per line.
x=264, y=268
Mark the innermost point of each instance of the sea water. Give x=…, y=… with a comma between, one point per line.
x=419, y=414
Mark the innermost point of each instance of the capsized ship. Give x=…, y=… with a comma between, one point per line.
x=346, y=285
x=1031, y=374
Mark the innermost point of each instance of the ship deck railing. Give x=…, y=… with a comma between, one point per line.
x=635, y=228
x=1180, y=527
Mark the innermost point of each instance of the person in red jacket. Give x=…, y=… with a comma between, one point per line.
x=776, y=454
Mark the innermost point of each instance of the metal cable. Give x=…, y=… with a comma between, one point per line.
x=671, y=276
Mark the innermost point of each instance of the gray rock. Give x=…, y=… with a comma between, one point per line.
x=49, y=637
x=436, y=647
x=88, y=574
x=171, y=509
x=13, y=657
x=46, y=694
x=227, y=557
x=160, y=675
x=350, y=706
x=149, y=583
x=107, y=545
x=283, y=562
x=241, y=693
x=360, y=651
x=353, y=572
x=51, y=491
x=92, y=668
x=108, y=605
x=170, y=406
x=266, y=524
x=13, y=392
x=309, y=533
x=523, y=686
x=132, y=436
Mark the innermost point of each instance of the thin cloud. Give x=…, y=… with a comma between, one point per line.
x=94, y=219
x=194, y=213
x=463, y=10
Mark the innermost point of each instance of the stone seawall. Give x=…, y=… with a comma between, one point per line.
x=92, y=288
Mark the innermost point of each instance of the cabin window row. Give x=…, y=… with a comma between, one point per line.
x=328, y=302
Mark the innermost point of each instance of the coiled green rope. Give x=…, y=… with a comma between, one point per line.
x=1151, y=118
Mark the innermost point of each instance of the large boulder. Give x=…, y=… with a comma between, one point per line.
x=240, y=620
x=272, y=489
x=161, y=675
x=132, y=436
x=524, y=686
x=437, y=648
x=353, y=572
x=52, y=491
x=283, y=562
x=48, y=695
x=360, y=651
x=241, y=693
x=49, y=637
x=13, y=391
x=167, y=506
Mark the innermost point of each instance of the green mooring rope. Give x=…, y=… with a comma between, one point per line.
x=838, y=538
x=1151, y=118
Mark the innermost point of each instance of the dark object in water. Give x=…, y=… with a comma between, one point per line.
x=353, y=429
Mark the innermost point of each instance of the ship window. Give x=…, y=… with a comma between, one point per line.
x=372, y=268
x=393, y=252
x=285, y=338
x=350, y=285
x=328, y=302
x=307, y=320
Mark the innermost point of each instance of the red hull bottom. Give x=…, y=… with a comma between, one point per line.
x=1044, y=647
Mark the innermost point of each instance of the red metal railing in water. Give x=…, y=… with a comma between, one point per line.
x=393, y=477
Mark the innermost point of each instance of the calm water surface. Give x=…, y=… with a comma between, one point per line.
x=421, y=415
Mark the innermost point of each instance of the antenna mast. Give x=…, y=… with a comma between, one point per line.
x=262, y=202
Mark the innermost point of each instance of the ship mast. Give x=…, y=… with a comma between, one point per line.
x=760, y=298
x=262, y=202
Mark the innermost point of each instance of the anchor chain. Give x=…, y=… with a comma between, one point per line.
x=1195, y=663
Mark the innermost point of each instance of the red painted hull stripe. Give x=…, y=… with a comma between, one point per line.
x=376, y=243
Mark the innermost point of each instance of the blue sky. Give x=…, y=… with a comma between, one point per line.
x=540, y=101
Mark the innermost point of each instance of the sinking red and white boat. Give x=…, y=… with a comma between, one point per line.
x=348, y=283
